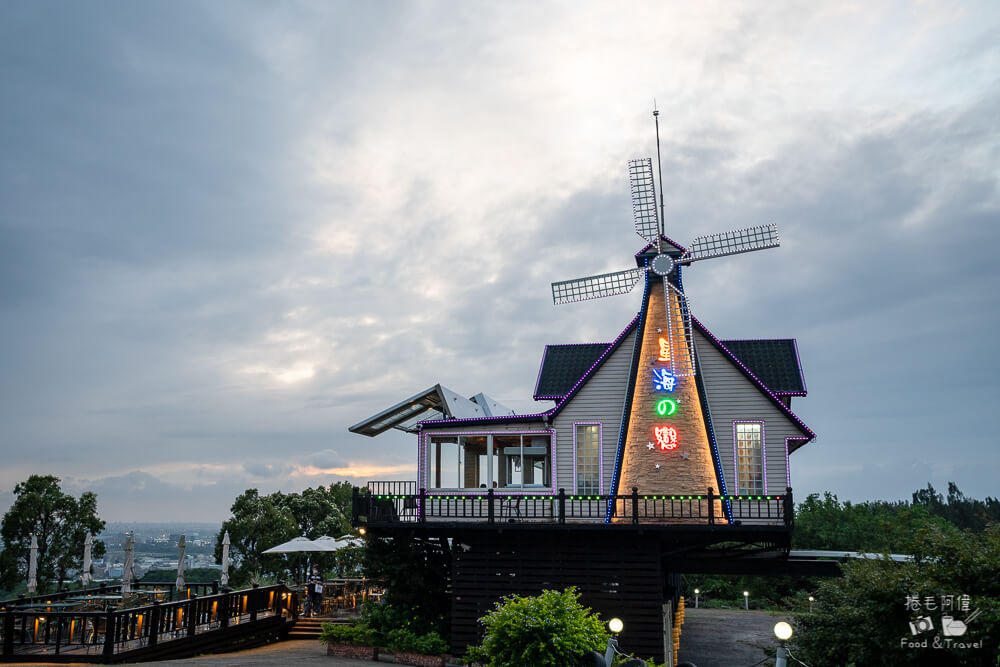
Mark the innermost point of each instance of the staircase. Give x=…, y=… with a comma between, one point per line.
x=309, y=628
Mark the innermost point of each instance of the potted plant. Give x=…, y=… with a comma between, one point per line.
x=354, y=640
x=409, y=648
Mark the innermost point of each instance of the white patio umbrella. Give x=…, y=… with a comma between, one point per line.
x=224, y=579
x=337, y=543
x=129, y=566
x=181, y=545
x=88, y=545
x=33, y=565
x=297, y=545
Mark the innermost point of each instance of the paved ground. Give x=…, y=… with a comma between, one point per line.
x=727, y=637
x=711, y=638
x=292, y=652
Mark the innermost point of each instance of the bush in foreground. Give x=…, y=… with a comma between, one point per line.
x=548, y=630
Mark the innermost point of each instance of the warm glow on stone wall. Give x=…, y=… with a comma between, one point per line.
x=655, y=464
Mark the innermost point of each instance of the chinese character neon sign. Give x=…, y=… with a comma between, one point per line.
x=664, y=380
x=666, y=407
x=664, y=350
x=666, y=437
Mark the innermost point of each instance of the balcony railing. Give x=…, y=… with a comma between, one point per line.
x=401, y=502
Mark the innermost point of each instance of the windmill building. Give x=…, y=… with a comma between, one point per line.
x=665, y=450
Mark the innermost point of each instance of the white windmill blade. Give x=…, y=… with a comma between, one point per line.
x=640, y=176
x=680, y=339
x=595, y=287
x=731, y=243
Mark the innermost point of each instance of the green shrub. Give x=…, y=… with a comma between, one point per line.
x=387, y=617
x=358, y=634
x=548, y=630
x=403, y=639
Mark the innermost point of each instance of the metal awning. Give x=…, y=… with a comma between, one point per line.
x=437, y=402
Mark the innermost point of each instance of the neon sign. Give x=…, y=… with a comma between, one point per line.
x=666, y=407
x=664, y=380
x=664, y=350
x=666, y=437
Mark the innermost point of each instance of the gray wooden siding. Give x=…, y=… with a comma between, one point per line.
x=733, y=397
x=601, y=400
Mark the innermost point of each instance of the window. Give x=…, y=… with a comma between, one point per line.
x=749, y=458
x=484, y=461
x=587, y=446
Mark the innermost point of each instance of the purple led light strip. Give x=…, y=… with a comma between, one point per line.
x=798, y=360
x=777, y=401
x=666, y=238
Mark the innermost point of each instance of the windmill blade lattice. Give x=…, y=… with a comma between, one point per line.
x=595, y=287
x=640, y=176
x=731, y=243
x=679, y=335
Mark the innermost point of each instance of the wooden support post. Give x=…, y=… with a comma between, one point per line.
x=711, y=506
x=253, y=599
x=224, y=608
x=355, y=510
x=789, y=507
x=192, y=616
x=59, y=627
x=489, y=507
x=562, y=505
x=635, y=505
x=154, y=624
x=109, y=635
x=421, y=509
x=8, y=632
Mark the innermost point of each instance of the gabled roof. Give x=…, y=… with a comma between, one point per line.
x=563, y=365
x=670, y=246
x=775, y=363
x=807, y=433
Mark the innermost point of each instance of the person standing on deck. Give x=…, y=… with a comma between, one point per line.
x=315, y=598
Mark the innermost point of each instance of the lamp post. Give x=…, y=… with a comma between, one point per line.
x=696, y=591
x=783, y=631
x=615, y=625
x=746, y=600
x=811, y=599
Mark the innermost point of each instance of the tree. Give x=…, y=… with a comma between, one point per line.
x=260, y=522
x=416, y=574
x=61, y=523
x=864, y=617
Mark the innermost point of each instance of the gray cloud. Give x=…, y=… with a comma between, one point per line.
x=230, y=231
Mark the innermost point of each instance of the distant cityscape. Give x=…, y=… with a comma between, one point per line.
x=156, y=547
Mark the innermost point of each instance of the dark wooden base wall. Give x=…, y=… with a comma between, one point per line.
x=617, y=575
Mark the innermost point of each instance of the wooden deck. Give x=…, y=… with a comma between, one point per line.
x=40, y=632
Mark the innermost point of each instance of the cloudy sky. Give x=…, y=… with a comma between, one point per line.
x=230, y=230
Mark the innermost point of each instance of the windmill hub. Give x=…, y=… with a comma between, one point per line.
x=662, y=264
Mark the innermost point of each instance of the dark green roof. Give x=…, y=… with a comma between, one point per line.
x=563, y=366
x=774, y=362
